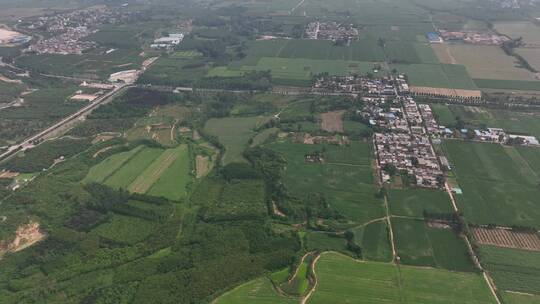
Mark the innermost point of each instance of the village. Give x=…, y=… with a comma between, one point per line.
x=332, y=31
x=69, y=29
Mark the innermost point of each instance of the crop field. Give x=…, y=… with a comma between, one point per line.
x=258, y=291
x=498, y=184
x=413, y=202
x=527, y=30
x=175, y=71
x=153, y=171
x=507, y=238
x=488, y=62
x=421, y=245
x=437, y=75
x=374, y=240
x=513, y=269
x=344, y=280
x=407, y=52
x=233, y=133
x=345, y=179
x=362, y=50
x=443, y=115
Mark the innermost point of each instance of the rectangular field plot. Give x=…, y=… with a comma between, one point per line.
x=419, y=244
x=126, y=174
x=437, y=75
x=413, y=202
x=499, y=186
x=488, y=62
x=345, y=179
x=374, y=241
x=507, y=238
x=147, y=170
x=506, y=85
x=513, y=269
x=344, y=280
x=524, y=29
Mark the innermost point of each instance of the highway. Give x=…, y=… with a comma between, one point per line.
x=29, y=142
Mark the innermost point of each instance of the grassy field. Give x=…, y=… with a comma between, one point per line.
x=346, y=179
x=444, y=115
x=437, y=75
x=374, y=241
x=344, y=280
x=407, y=52
x=488, y=62
x=513, y=269
x=257, y=291
x=233, y=133
x=413, y=202
x=325, y=241
x=498, y=184
x=418, y=244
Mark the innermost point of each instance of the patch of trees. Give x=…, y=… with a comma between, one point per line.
x=44, y=155
x=251, y=81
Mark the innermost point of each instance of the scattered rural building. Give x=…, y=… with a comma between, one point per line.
x=332, y=31
x=473, y=37
x=168, y=42
x=433, y=37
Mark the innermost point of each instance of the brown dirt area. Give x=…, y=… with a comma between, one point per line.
x=507, y=238
x=332, y=121
x=25, y=236
x=8, y=174
x=203, y=164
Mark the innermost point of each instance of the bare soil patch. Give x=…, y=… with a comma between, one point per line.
x=507, y=238
x=332, y=121
x=203, y=165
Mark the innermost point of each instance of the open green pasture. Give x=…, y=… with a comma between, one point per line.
x=513, y=269
x=499, y=185
x=520, y=298
x=419, y=244
x=345, y=179
x=507, y=85
x=413, y=202
x=234, y=134
x=437, y=75
x=345, y=280
x=410, y=52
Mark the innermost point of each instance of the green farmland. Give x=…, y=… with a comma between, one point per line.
x=513, y=269
x=374, y=240
x=257, y=291
x=234, y=134
x=344, y=280
x=499, y=186
x=153, y=171
x=345, y=181
x=437, y=75
x=419, y=244
x=413, y=202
